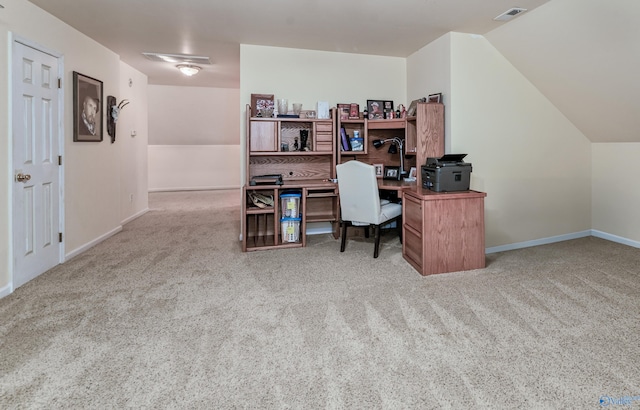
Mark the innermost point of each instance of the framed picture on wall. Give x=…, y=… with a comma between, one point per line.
x=87, y=108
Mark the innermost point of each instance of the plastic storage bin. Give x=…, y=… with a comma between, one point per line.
x=290, y=205
x=290, y=229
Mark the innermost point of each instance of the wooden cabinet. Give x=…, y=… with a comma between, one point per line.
x=425, y=134
x=275, y=146
x=263, y=226
x=443, y=231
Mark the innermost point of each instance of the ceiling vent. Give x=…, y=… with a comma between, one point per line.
x=509, y=14
x=178, y=58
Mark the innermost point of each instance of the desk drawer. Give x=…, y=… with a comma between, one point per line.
x=324, y=137
x=324, y=126
x=412, y=247
x=412, y=213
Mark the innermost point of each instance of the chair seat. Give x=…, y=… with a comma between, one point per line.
x=387, y=212
x=360, y=202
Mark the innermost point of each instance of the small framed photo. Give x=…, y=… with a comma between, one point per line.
x=261, y=102
x=437, y=98
x=87, y=108
x=391, y=172
x=388, y=110
x=354, y=111
x=379, y=170
x=343, y=111
x=413, y=172
x=413, y=107
x=375, y=109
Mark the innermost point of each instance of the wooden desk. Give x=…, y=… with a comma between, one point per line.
x=393, y=185
x=443, y=231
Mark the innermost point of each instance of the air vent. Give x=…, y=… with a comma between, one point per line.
x=178, y=58
x=509, y=14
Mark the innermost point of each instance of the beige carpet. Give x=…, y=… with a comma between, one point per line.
x=170, y=314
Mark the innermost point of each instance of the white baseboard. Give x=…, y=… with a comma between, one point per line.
x=536, y=242
x=197, y=188
x=6, y=290
x=615, y=238
x=135, y=216
x=93, y=243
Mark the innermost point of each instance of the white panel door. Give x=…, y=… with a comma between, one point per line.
x=36, y=184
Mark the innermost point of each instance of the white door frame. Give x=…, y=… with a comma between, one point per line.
x=13, y=38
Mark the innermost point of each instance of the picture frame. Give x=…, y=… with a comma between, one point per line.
x=375, y=109
x=413, y=107
x=379, y=170
x=391, y=172
x=354, y=111
x=87, y=108
x=413, y=172
x=437, y=98
x=261, y=101
x=388, y=109
x=343, y=111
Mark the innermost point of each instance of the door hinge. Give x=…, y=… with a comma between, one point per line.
x=59, y=82
x=59, y=159
x=59, y=236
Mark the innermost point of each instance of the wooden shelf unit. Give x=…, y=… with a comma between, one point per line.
x=423, y=135
x=308, y=172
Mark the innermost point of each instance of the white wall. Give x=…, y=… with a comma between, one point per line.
x=193, y=167
x=92, y=182
x=533, y=163
x=429, y=72
x=194, y=138
x=132, y=140
x=306, y=76
x=616, y=191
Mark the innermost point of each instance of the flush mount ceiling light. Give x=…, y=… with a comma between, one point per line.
x=509, y=14
x=178, y=58
x=188, y=69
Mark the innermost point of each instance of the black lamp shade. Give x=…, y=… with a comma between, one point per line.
x=378, y=143
x=393, y=149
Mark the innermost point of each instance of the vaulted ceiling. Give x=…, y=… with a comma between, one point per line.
x=584, y=55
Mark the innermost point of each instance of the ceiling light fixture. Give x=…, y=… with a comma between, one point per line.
x=509, y=14
x=188, y=69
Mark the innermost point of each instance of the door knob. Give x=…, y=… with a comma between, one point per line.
x=23, y=177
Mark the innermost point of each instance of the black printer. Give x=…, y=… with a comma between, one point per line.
x=447, y=173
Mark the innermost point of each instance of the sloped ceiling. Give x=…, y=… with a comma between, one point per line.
x=584, y=56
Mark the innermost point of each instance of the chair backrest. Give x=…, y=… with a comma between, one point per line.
x=358, y=186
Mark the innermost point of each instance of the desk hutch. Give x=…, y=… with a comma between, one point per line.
x=442, y=232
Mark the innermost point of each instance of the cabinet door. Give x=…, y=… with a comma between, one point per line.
x=263, y=136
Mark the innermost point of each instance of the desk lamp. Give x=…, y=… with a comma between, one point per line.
x=392, y=150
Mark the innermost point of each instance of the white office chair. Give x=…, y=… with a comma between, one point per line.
x=360, y=203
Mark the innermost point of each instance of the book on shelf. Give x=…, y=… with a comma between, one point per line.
x=346, y=144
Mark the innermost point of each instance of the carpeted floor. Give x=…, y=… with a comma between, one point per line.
x=170, y=314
